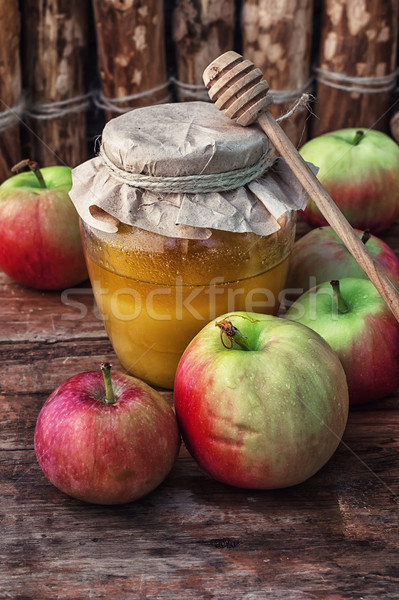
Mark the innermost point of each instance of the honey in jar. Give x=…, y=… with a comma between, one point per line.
x=164, y=261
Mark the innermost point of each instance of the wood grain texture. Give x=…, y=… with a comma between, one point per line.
x=131, y=50
x=10, y=82
x=54, y=70
x=333, y=537
x=202, y=30
x=277, y=38
x=358, y=39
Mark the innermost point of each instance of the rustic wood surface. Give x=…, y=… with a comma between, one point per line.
x=55, y=40
x=202, y=30
x=277, y=38
x=10, y=82
x=333, y=537
x=131, y=51
x=357, y=39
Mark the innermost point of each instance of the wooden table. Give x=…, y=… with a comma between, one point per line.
x=334, y=537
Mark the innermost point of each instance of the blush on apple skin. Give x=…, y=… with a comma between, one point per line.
x=371, y=362
x=359, y=202
x=40, y=245
x=320, y=255
x=361, y=174
x=266, y=418
x=106, y=454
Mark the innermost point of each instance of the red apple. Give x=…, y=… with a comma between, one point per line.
x=106, y=441
x=262, y=402
x=40, y=244
x=358, y=325
x=320, y=256
x=359, y=168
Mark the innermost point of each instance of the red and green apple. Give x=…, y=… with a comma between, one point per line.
x=106, y=439
x=359, y=168
x=320, y=255
x=40, y=244
x=261, y=402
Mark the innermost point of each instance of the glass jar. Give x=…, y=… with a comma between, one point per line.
x=184, y=216
x=155, y=293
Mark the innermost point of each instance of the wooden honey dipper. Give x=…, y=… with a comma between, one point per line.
x=235, y=86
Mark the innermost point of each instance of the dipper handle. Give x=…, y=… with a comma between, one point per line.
x=236, y=87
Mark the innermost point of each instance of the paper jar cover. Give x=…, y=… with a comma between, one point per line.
x=197, y=146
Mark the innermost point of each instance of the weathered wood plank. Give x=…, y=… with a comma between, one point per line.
x=47, y=316
x=193, y=537
x=131, y=53
x=333, y=537
x=277, y=38
x=358, y=51
x=55, y=44
x=202, y=30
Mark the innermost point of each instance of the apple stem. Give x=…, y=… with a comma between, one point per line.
x=109, y=392
x=232, y=334
x=33, y=166
x=338, y=299
x=366, y=236
x=358, y=136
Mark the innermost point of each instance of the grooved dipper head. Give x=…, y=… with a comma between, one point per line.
x=235, y=86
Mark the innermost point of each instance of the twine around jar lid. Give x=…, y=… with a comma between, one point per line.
x=191, y=184
x=181, y=170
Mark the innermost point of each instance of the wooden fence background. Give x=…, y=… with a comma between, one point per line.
x=67, y=66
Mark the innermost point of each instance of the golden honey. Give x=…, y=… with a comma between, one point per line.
x=155, y=292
